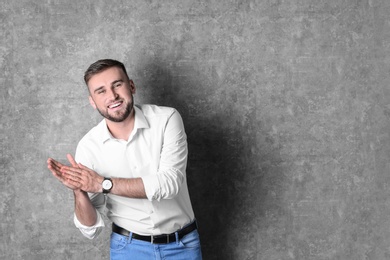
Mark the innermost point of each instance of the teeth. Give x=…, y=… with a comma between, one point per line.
x=115, y=105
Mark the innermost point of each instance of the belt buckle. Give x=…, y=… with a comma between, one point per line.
x=166, y=236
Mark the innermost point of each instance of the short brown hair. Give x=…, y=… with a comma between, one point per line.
x=102, y=65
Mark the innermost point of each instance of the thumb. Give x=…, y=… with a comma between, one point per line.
x=71, y=160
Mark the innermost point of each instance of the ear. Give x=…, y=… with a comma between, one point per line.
x=92, y=102
x=132, y=86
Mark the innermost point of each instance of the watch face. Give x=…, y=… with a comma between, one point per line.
x=107, y=184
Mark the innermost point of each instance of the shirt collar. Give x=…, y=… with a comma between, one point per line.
x=139, y=122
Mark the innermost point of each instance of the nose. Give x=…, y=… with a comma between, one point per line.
x=112, y=94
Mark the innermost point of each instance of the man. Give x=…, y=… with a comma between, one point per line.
x=133, y=163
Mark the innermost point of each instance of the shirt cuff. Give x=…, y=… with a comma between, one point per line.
x=90, y=231
x=152, y=187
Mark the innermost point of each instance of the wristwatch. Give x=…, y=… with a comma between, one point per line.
x=107, y=185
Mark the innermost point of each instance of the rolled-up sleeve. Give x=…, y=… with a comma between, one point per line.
x=92, y=231
x=167, y=182
x=98, y=200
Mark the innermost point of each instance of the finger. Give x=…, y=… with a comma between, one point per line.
x=71, y=172
x=53, y=162
x=75, y=169
x=69, y=176
x=72, y=178
x=71, y=160
x=89, y=173
x=57, y=175
x=53, y=167
x=71, y=184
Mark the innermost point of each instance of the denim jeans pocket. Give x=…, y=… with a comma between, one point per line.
x=191, y=240
x=118, y=242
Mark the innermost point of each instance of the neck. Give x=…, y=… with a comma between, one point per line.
x=122, y=130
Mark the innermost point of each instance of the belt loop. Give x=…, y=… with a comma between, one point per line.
x=177, y=237
x=130, y=239
x=151, y=239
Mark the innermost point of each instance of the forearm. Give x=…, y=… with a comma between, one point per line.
x=131, y=188
x=84, y=210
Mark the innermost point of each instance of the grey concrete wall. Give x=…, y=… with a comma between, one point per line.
x=286, y=106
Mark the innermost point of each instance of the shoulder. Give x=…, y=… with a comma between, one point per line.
x=95, y=135
x=154, y=111
x=161, y=117
x=90, y=144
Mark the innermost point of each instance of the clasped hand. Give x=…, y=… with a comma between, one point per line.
x=77, y=176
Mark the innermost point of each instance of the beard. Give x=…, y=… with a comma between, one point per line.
x=118, y=116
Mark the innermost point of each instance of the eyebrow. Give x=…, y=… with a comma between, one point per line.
x=112, y=83
x=99, y=88
x=116, y=81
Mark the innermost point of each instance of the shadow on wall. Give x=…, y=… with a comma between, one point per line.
x=220, y=167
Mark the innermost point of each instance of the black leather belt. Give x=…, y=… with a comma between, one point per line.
x=159, y=239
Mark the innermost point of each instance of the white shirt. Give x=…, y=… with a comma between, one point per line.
x=157, y=152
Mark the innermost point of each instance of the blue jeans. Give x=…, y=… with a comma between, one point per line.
x=125, y=248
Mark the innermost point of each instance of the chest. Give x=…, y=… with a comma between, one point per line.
x=135, y=158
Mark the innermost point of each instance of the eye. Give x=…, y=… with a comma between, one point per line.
x=118, y=85
x=101, y=91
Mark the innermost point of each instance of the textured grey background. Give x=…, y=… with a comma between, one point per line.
x=286, y=105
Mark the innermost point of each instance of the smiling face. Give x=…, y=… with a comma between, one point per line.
x=111, y=93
